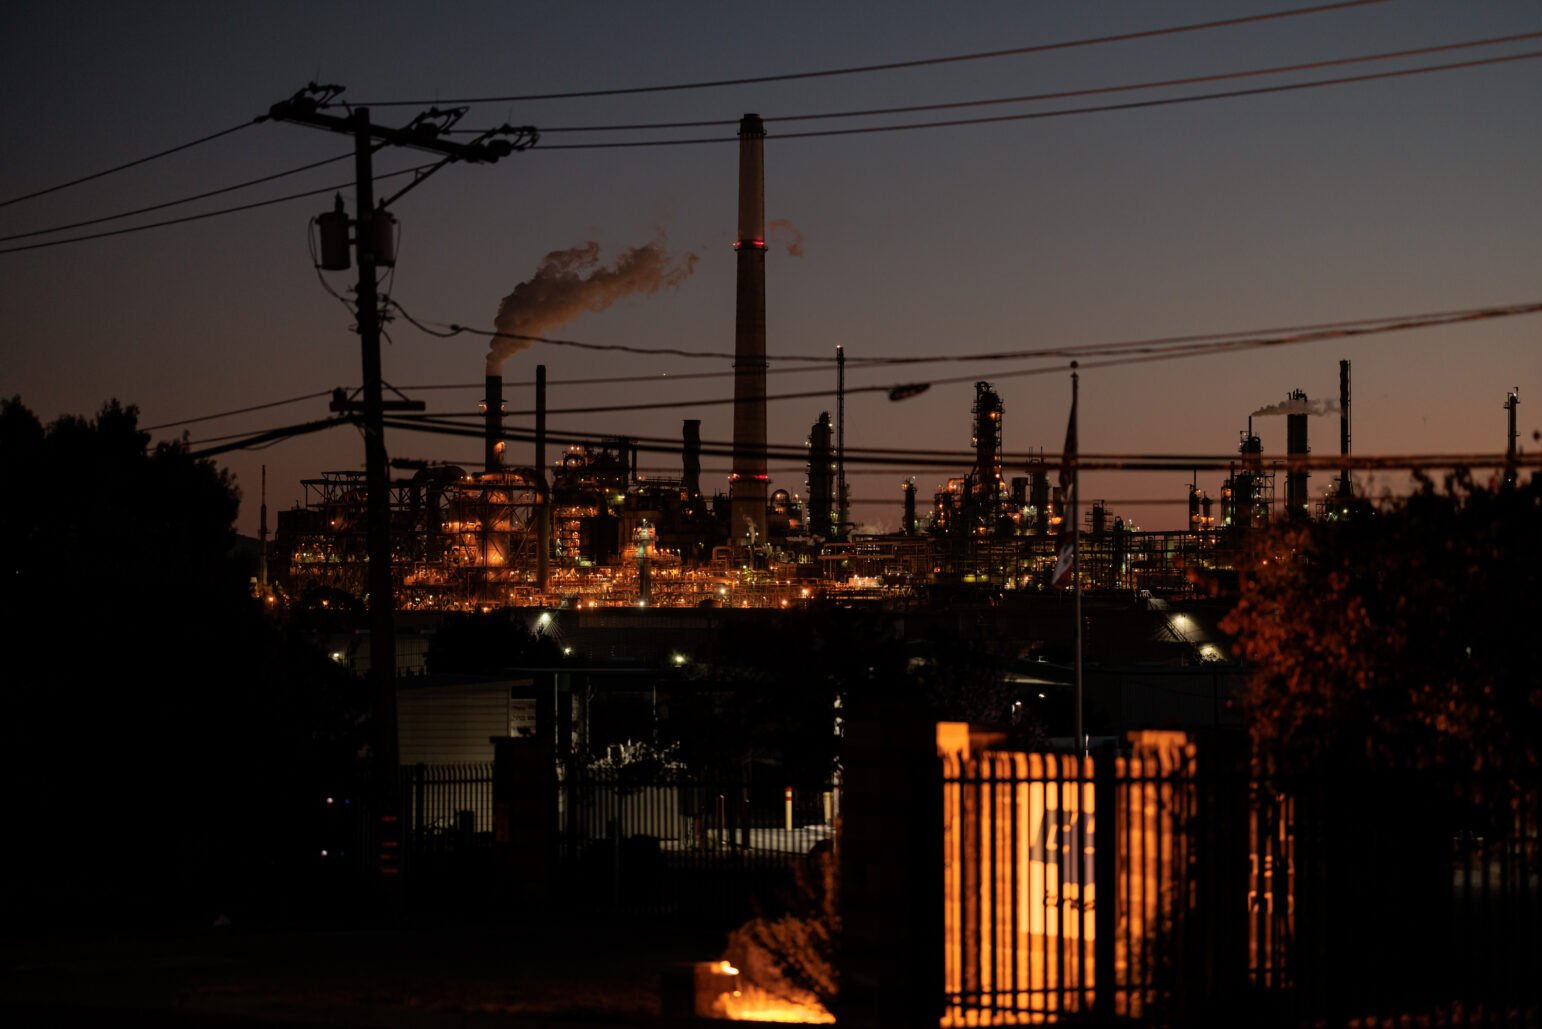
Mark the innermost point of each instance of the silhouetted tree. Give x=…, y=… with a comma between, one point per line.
x=1396, y=699
x=1401, y=636
x=162, y=736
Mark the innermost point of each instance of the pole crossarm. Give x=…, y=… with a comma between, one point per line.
x=425, y=132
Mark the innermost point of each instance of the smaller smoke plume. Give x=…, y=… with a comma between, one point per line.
x=1314, y=407
x=570, y=282
x=781, y=228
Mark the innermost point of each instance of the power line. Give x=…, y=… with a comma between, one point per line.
x=249, y=442
x=1066, y=94
x=1218, y=343
x=658, y=378
x=176, y=203
x=236, y=411
x=865, y=130
x=1087, y=462
x=206, y=214
x=795, y=455
x=1039, y=48
x=1419, y=320
x=1119, y=354
x=1132, y=105
x=912, y=458
x=1222, y=343
x=451, y=329
x=135, y=163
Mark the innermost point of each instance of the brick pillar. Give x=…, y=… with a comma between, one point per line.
x=891, y=890
x=524, y=818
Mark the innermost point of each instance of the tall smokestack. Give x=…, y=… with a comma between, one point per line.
x=492, y=433
x=1296, y=446
x=690, y=457
x=748, y=483
x=908, y=523
x=1346, y=488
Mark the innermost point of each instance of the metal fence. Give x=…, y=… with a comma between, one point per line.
x=686, y=845
x=1149, y=885
x=627, y=842
x=447, y=815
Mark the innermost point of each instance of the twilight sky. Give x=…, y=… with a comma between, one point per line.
x=1371, y=199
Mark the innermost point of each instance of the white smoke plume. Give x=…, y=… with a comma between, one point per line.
x=1293, y=406
x=781, y=227
x=570, y=282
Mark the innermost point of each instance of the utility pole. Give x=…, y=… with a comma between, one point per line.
x=1511, y=400
x=373, y=248
x=262, y=545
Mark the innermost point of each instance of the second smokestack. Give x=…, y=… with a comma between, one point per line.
x=1296, y=446
x=690, y=456
x=492, y=433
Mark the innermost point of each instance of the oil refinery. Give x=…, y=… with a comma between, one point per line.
x=592, y=528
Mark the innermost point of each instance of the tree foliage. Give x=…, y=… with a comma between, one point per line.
x=1400, y=636
x=791, y=954
x=162, y=735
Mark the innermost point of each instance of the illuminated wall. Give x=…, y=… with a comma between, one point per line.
x=1020, y=834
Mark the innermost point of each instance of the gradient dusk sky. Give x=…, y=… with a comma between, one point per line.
x=1392, y=197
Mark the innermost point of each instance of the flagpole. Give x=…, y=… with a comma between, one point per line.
x=1076, y=564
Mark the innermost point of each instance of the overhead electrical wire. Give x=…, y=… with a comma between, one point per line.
x=177, y=203
x=1412, y=321
x=657, y=378
x=1085, y=462
x=134, y=163
x=1117, y=354
x=451, y=329
x=911, y=458
x=270, y=436
x=238, y=410
x=1065, y=94
x=205, y=214
x=798, y=453
x=1067, y=112
x=1221, y=342
x=1036, y=48
x=860, y=130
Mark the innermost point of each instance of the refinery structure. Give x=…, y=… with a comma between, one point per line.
x=584, y=527
x=589, y=529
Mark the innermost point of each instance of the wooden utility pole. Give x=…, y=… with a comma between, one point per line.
x=374, y=248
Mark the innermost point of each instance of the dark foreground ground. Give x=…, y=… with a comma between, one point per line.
x=527, y=975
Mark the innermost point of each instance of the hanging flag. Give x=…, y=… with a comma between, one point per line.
x=1065, y=566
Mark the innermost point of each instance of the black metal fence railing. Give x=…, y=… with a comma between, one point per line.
x=685, y=845
x=1154, y=885
x=447, y=813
